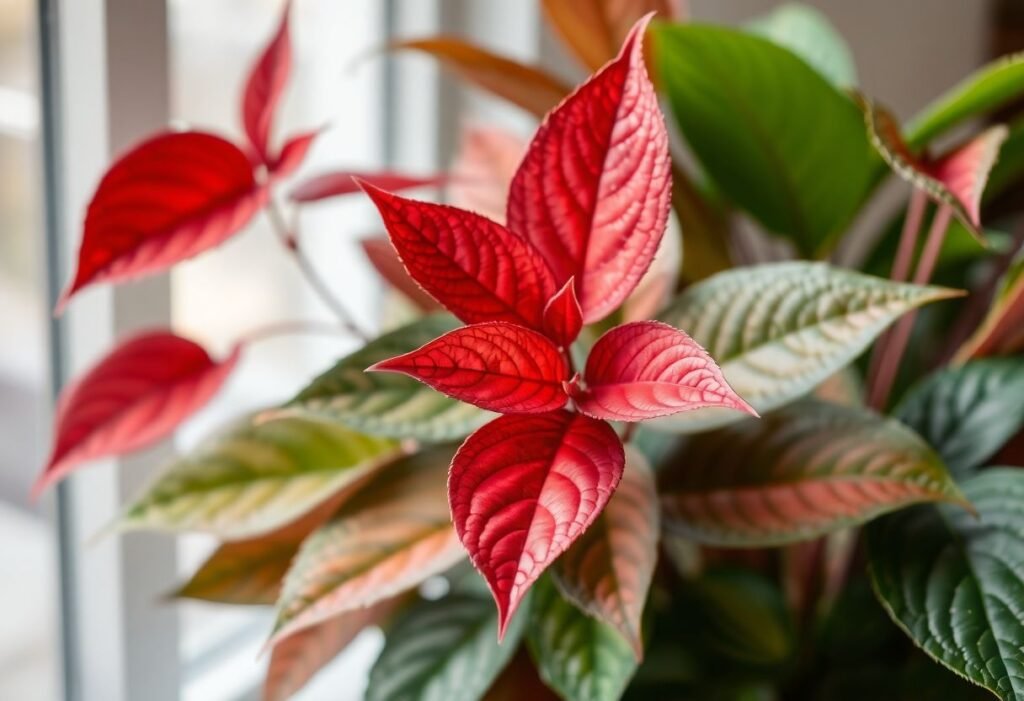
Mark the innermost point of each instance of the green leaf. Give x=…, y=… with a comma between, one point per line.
x=256, y=476
x=778, y=330
x=968, y=413
x=444, y=650
x=997, y=84
x=797, y=473
x=391, y=536
x=775, y=136
x=807, y=33
x=578, y=656
x=390, y=404
x=954, y=582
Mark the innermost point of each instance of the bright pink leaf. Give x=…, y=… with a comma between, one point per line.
x=293, y=153
x=594, y=188
x=523, y=488
x=341, y=183
x=168, y=199
x=132, y=398
x=473, y=266
x=647, y=369
x=563, y=317
x=496, y=366
x=385, y=260
x=264, y=87
x=965, y=170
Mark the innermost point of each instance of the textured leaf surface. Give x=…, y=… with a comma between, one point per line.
x=256, y=476
x=385, y=403
x=608, y=571
x=778, y=330
x=136, y=395
x=996, y=84
x=1002, y=330
x=529, y=87
x=593, y=191
x=264, y=87
x=168, y=199
x=807, y=33
x=444, y=649
x=953, y=581
x=476, y=268
x=336, y=184
x=393, y=534
x=737, y=99
x=646, y=369
x=385, y=260
x=968, y=413
x=595, y=29
x=495, y=366
x=797, y=473
x=578, y=656
x=563, y=318
x=297, y=659
x=523, y=488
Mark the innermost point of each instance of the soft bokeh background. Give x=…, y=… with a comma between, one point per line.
x=906, y=52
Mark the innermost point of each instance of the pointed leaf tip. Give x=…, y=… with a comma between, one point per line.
x=563, y=318
x=264, y=87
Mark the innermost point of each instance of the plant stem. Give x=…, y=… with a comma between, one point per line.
x=901, y=335
x=287, y=328
x=291, y=242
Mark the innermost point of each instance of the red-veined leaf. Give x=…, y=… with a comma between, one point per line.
x=594, y=189
x=482, y=170
x=264, y=87
x=292, y=154
x=529, y=87
x=496, y=366
x=297, y=659
x=476, y=268
x=168, y=199
x=608, y=571
x=965, y=170
x=523, y=488
x=563, y=317
x=340, y=183
x=646, y=369
x=594, y=29
x=385, y=260
x=133, y=397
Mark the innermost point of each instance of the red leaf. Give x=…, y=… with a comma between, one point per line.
x=385, y=259
x=647, y=369
x=473, y=266
x=593, y=191
x=340, y=183
x=482, y=170
x=965, y=170
x=563, y=318
x=168, y=199
x=263, y=89
x=132, y=398
x=496, y=366
x=293, y=153
x=523, y=488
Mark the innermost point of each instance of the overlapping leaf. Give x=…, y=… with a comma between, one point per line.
x=444, y=649
x=496, y=366
x=592, y=194
x=293, y=153
x=563, y=317
x=807, y=33
x=968, y=413
x=802, y=471
x=529, y=87
x=136, y=395
x=646, y=369
x=385, y=260
x=777, y=330
x=608, y=571
x=578, y=656
x=523, y=488
x=264, y=87
x=336, y=184
x=953, y=581
x=387, y=404
x=168, y=199
x=483, y=168
x=473, y=266
x=1002, y=330
x=256, y=476
x=519, y=681
x=740, y=99
x=393, y=534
